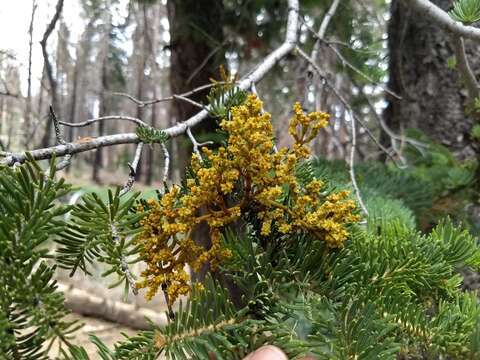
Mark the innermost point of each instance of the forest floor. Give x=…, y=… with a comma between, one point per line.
x=108, y=332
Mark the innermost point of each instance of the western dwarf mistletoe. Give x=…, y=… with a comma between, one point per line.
x=248, y=173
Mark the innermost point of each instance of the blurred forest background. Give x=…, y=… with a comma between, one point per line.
x=97, y=53
x=152, y=49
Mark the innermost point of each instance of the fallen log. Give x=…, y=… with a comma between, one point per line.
x=85, y=303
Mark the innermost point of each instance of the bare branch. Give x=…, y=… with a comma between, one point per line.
x=386, y=128
x=28, y=106
x=322, y=30
x=342, y=100
x=166, y=162
x=354, y=130
x=123, y=262
x=196, y=144
x=344, y=61
x=142, y=103
x=442, y=19
x=87, y=303
x=8, y=93
x=464, y=67
x=351, y=163
x=133, y=170
x=327, y=18
x=190, y=101
x=347, y=63
x=103, y=118
x=60, y=140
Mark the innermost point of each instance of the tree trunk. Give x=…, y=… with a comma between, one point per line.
x=104, y=89
x=98, y=159
x=433, y=96
x=150, y=42
x=196, y=44
x=196, y=31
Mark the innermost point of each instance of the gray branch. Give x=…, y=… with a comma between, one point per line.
x=123, y=261
x=133, y=170
x=196, y=144
x=166, y=165
x=442, y=19
x=354, y=129
x=103, y=118
x=464, y=67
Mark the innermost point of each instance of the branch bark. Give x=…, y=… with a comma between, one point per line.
x=442, y=19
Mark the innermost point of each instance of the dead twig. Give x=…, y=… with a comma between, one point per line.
x=103, y=118
x=133, y=170
x=196, y=144
x=166, y=162
x=353, y=132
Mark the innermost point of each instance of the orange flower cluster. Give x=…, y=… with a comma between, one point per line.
x=249, y=167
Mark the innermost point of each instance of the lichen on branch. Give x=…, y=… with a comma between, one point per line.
x=226, y=183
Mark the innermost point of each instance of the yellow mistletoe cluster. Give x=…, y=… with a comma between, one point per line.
x=250, y=167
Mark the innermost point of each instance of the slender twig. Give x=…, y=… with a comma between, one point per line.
x=390, y=132
x=9, y=94
x=60, y=140
x=133, y=170
x=354, y=131
x=342, y=100
x=204, y=62
x=43, y=43
x=327, y=18
x=123, y=261
x=142, y=103
x=364, y=50
x=344, y=61
x=466, y=71
x=190, y=101
x=347, y=63
x=166, y=162
x=351, y=164
x=28, y=105
x=196, y=144
x=103, y=118
x=321, y=31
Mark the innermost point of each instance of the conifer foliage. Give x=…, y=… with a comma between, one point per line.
x=31, y=310
x=384, y=290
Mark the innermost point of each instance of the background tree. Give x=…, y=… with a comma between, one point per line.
x=196, y=52
x=434, y=99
